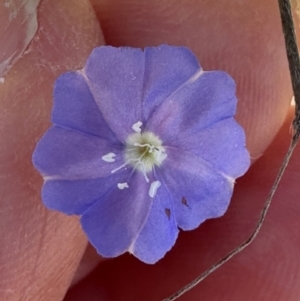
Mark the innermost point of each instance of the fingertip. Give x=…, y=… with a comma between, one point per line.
x=240, y=37
x=42, y=248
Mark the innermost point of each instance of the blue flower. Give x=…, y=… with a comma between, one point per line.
x=143, y=142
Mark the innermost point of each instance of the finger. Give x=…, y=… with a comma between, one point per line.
x=266, y=270
x=241, y=37
x=40, y=249
x=88, y=263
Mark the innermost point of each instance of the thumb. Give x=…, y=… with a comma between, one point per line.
x=40, y=250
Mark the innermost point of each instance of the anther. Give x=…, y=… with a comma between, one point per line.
x=153, y=188
x=122, y=185
x=110, y=157
x=137, y=127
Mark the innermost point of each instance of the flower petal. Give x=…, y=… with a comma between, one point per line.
x=70, y=155
x=113, y=223
x=201, y=101
x=199, y=191
x=222, y=145
x=75, y=108
x=115, y=77
x=76, y=196
x=160, y=231
x=166, y=69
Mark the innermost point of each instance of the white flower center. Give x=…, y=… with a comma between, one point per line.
x=144, y=151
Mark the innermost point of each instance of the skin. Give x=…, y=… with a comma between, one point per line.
x=41, y=250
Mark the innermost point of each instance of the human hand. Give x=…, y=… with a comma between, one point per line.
x=43, y=249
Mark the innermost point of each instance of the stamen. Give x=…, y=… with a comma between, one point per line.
x=137, y=126
x=110, y=157
x=145, y=175
x=122, y=185
x=160, y=155
x=120, y=167
x=142, y=167
x=136, y=161
x=153, y=188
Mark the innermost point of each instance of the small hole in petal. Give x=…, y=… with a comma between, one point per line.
x=184, y=202
x=168, y=213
